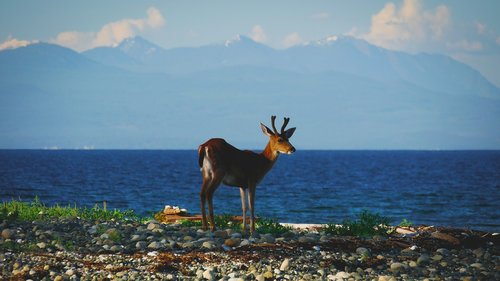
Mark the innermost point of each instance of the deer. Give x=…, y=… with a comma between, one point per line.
x=220, y=162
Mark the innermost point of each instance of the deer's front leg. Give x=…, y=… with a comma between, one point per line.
x=243, y=196
x=251, y=202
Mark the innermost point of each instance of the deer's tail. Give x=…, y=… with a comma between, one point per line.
x=201, y=155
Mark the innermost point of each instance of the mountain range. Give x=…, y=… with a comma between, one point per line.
x=341, y=92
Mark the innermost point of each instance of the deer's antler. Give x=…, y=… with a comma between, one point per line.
x=284, y=125
x=273, y=119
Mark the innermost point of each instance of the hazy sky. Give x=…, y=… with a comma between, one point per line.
x=466, y=30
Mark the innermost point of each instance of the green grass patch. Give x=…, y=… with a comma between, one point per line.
x=271, y=226
x=36, y=210
x=226, y=221
x=405, y=223
x=365, y=224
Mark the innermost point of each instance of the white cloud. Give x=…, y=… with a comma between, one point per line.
x=258, y=34
x=466, y=45
x=13, y=43
x=110, y=34
x=321, y=16
x=400, y=28
x=480, y=27
x=292, y=39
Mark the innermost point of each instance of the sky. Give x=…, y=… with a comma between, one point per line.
x=468, y=31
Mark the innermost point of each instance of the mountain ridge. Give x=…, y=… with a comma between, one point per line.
x=341, y=93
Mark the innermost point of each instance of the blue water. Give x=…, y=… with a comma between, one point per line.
x=447, y=188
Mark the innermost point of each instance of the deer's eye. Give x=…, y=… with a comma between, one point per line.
x=281, y=140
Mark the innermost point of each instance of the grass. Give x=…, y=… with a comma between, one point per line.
x=223, y=221
x=366, y=224
x=226, y=221
x=271, y=226
x=405, y=223
x=36, y=210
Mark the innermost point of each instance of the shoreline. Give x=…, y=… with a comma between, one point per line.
x=74, y=249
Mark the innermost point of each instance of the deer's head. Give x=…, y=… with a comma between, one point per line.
x=279, y=142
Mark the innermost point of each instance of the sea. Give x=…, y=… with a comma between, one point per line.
x=442, y=188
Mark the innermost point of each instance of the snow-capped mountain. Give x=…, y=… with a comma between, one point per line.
x=139, y=95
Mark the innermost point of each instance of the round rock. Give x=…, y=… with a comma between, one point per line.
x=7, y=233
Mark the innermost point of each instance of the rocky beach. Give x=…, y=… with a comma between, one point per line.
x=75, y=249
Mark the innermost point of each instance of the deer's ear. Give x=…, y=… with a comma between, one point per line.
x=266, y=130
x=289, y=132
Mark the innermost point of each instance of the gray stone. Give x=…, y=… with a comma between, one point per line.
x=306, y=239
x=479, y=252
x=221, y=234
x=267, y=238
x=135, y=238
x=245, y=242
x=41, y=245
x=443, y=251
x=154, y=245
x=397, y=267
x=208, y=244
x=477, y=265
x=141, y=245
x=364, y=252
x=152, y=226
x=236, y=235
x=423, y=259
x=437, y=258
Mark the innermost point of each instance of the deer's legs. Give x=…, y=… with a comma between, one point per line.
x=203, y=198
x=243, y=195
x=251, y=202
x=214, y=183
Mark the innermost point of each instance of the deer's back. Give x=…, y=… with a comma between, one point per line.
x=236, y=163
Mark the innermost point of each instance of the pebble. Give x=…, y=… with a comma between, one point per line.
x=208, y=245
x=437, y=258
x=386, y=278
x=268, y=275
x=209, y=274
x=7, y=234
x=397, y=267
x=423, y=259
x=285, y=264
x=363, y=251
x=178, y=253
x=476, y=265
x=154, y=245
x=267, y=238
x=232, y=242
x=141, y=245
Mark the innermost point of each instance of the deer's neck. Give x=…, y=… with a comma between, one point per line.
x=270, y=155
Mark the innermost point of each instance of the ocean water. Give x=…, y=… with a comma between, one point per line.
x=446, y=188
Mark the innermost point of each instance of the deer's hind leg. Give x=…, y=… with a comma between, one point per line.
x=213, y=185
x=203, y=198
